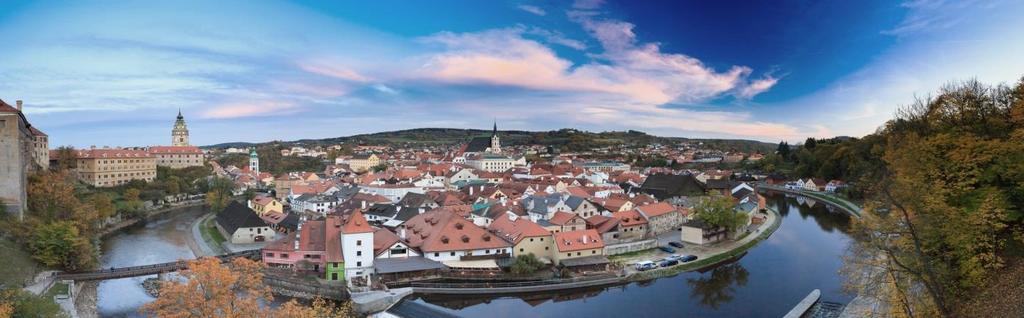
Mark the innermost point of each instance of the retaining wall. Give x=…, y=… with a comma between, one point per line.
x=624, y=248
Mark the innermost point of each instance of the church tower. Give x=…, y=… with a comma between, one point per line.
x=254, y=162
x=179, y=135
x=495, y=143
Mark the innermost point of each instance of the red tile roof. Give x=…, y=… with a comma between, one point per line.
x=515, y=231
x=112, y=153
x=356, y=223
x=441, y=231
x=384, y=239
x=630, y=218
x=657, y=209
x=175, y=149
x=578, y=240
x=562, y=218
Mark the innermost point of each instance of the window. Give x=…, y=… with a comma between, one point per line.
x=453, y=254
x=546, y=248
x=520, y=250
x=437, y=254
x=359, y=242
x=531, y=239
x=270, y=254
x=359, y=253
x=579, y=253
x=359, y=264
x=593, y=252
x=284, y=255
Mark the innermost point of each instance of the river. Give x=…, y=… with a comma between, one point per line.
x=802, y=255
x=162, y=239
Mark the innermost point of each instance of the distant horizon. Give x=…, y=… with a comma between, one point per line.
x=93, y=72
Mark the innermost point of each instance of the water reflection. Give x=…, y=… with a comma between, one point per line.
x=766, y=282
x=719, y=287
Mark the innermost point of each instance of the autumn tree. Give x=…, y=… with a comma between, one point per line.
x=220, y=194
x=20, y=303
x=945, y=204
x=212, y=289
x=718, y=211
x=60, y=244
x=103, y=205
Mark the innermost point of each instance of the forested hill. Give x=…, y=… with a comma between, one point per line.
x=566, y=139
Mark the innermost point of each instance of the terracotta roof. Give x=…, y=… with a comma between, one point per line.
x=36, y=132
x=657, y=209
x=384, y=239
x=6, y=108
x=562, y=218
x=515, y=231
x=332, y=237
x=578, y=240
x=356, y=223
x=112, y=153
x=630, y=218
x=175, y=149
x=602, y=223
x=441, y=230
x=263, y=200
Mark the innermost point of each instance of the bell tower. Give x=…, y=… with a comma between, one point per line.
x=179, y=135
x=495, y=143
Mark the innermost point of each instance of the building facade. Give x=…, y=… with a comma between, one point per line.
x=363, y=162
x=113, y=166
x=177, y=157
x=16, y=158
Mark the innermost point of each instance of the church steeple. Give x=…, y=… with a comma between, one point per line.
x=495, y=143
x=179, y=134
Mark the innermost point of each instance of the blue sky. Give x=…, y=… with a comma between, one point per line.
x=116, y=73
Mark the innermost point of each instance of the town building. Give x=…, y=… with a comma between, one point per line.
x=661, y=217
x=264, y=204
x=254, y=162
x=526, y=236
x=177, y=157
x=18, y=156
x=108, y=167
x=444, y=236
x=363, y=162
x=41, y=147
x=579, y=248
x=241, y=225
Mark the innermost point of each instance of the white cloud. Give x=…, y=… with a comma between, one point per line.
x=532, y=9
x=757, y=86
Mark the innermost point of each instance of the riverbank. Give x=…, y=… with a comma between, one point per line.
x=712, y=256
x=843, y=204
x=734, y=249
x=113, y=228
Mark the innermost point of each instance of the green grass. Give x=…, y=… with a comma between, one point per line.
x=701, y=263
x=17, y=264
x=58, y=288
x=210, y=233
x=631, y=254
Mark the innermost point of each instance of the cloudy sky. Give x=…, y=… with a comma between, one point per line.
x=116, y=73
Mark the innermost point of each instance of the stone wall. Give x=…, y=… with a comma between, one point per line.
x=623, y=248
x=16, y=152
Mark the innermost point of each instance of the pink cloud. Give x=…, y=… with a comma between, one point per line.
x=250, y=109
x=332, y=69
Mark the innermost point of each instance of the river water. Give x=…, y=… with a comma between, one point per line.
x=802, y=255
x=158, y=240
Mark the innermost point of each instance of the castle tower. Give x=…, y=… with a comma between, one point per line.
x=495, y=143
x=179, y=135
x=254, y=162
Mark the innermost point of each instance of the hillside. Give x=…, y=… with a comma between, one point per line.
x=566, y=139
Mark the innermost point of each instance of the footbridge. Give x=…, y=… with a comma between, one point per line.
x=143, y=270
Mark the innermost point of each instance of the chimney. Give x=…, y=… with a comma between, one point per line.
x=18, y=102
x=470, y=190
x=364, y=204
x=402, y=233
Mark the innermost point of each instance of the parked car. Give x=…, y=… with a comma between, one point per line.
x=645, y=265
x=667, y=249
x=674, y=257
x=688, y=258
x=676, y=244
x=668, y=262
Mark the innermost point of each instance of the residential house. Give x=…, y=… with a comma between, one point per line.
x=565, y=222
x=526, y=236
x=665, y=186
x=661, y=217
x=443, y=236
x=579, y=249
x=697, y=231
x=363, y=162
x=241, y=225
x=263, y=205
x=632, y=225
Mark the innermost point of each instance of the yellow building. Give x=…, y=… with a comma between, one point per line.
x=112, y=167
x=526, y=236
x=363, y=162
x=264, y=205
x=577, y=244
x=177, y=157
